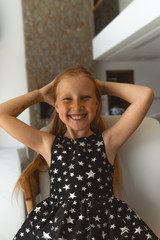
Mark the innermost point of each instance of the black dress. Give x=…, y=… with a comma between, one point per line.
x=82, y=205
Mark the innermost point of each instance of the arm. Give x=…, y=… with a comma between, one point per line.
x=31, y=137
x=140, y=99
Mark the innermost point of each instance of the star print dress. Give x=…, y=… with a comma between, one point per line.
x=82, y=205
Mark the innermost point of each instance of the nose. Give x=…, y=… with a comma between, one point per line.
x=77, y=105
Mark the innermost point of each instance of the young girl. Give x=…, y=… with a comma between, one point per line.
x=80, y=153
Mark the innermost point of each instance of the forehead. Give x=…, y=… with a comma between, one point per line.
x=75, y=83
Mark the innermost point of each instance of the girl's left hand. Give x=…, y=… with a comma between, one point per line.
x=100, y=85
x=47, y=93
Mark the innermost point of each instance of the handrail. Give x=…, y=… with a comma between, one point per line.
x=96, y=5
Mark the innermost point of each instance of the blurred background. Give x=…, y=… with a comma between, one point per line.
x=116, y=40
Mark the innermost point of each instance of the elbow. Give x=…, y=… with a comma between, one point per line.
x=150, y=94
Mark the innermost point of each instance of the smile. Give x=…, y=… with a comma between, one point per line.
x=78, y=116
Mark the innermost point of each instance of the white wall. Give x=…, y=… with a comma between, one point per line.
x=13, y=80
x=145, y=73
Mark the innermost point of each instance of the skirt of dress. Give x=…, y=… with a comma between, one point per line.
x=88, y=219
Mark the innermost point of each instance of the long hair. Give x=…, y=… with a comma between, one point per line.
x=59, y=128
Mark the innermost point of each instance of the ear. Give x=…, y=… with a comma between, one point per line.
x=56, y=106
x=97, y=104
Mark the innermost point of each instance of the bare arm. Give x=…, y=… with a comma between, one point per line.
x=31, y=137
x=140, y=99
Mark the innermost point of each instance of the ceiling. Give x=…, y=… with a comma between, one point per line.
x=143, y=45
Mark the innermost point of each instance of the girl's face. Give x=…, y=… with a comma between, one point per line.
x=76, y=103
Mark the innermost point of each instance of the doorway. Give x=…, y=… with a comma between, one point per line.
x=116, y=106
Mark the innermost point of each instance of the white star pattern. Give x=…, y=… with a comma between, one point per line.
x=71, y=166
x=138, y=230
x=90, y=174
x=128, y=217
x=66, y=187
x=45, y=203
x=94, y=159
x=72, y=195
x=81, y=217
x=72, y=210
x=59, y=179
x=70, y=230
x=111, y=216
x=89, y=184
x=148, y=236
x=82, y=144
x=55, y=170
x=119, y=209
x=113, y=226
x=99, y=143
x=59, y=157
x=81, y=163
x=82, y=204
x=90, y=194
x=59, y=145
x=52, y=179
x=89, y=150
x=124, y=230
x=104, y=235
x=46, y=236
x=62, y=238
x=80, y=178
x=70, y=220
x=56, y=219
x=37, y=227
x=97, y=218
x=37, y=209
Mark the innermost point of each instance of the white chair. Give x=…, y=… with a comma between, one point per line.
x=139, y=161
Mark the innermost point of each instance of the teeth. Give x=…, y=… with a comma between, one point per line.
x=78, y=117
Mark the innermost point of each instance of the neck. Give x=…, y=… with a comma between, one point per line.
x=78, y=134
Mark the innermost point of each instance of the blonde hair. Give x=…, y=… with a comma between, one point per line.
x=59, y=128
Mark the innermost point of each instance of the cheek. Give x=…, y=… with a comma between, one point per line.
x=95, y=105
x=62, y=110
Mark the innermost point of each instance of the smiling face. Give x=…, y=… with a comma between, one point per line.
x=76, y=103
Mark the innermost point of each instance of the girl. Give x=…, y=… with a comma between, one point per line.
x=80, y=153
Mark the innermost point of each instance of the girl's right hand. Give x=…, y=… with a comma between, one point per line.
x=37, y=140
x=47, y=93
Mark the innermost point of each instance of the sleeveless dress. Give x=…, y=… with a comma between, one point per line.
x=82, y=205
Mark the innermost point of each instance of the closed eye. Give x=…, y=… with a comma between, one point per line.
x=86, y=97
x=67, y=99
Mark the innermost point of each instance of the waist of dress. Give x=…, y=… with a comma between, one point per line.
x=107, y=198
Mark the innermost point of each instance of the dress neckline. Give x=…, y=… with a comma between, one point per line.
x=80, y=138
